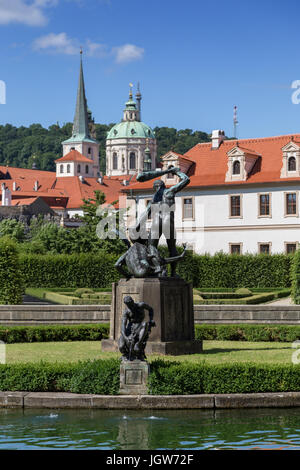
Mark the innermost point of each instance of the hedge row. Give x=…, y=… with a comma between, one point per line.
x=32, y=334
x=244, y=332
x=97, y=270
x=101, y=377
x=253, y=300
x=184, y=378
x=82, y=270
x=233, y=271
x=295, y=277
x=166, y=378
x=11, y=280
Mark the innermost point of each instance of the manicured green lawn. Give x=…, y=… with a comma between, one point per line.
x=214, y=352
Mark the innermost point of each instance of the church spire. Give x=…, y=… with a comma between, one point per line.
x=81, y=120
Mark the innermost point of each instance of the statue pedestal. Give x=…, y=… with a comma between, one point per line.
x=133, y=378
x=172, y=303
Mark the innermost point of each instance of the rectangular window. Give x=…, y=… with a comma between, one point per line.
x=291, y=204
x=188, y=208
x=264, y=205
x=290, y=248
x=235, y=248
x=235, y=206
x=264, y=248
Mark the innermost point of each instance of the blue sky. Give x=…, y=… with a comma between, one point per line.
x=194, y=60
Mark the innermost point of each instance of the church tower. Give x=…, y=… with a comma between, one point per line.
x=131, y=144
x=81, y=140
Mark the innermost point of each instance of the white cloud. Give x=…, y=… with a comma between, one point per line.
x=23, y=11
x=61, y=43
x=57, y=44
x=128, y=53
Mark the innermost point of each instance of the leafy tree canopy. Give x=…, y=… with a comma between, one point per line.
x=22, y=146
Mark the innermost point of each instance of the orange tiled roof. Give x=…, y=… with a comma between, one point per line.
x=212, y=165
x=65, y=191
x=74, y=156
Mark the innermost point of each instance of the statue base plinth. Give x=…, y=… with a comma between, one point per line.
x=133, y=378
x=172, y=303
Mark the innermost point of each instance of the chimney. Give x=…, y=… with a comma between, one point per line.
x=36, y=186
x=14, y=186
x=6, y=196
x=217, y=138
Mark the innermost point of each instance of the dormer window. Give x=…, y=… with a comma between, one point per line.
x=236, y=169
x=290, y=160
x=292, y=164
x=68, y=168
x=241, y=161
x=78, y=168
x=61, y=168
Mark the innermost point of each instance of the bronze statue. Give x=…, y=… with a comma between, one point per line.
x=142, y=258
x=162, y=209
x=143, y=261
x=135, y=330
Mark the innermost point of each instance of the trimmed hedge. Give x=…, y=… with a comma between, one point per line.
x=81, y=270
x=32, y=334
x=101, y=377
x=243, y=332
x=253, y=300
x=166, y=378
x=97, y=270
x=187, y=379
x=295, y=277
x=234, y=271
x=11, y=279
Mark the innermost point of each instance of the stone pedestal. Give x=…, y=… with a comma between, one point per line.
x=133, y=378
x=172, y=303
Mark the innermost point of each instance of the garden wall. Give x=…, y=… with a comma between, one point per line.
x=209, y=314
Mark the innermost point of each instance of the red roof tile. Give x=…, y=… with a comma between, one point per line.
x=74, y=156
x=212, y=165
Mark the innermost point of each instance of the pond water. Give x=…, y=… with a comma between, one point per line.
x=150, y=430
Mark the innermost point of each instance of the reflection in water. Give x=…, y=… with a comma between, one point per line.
x=152, y=429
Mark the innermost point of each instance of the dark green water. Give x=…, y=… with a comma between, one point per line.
x=136, y=430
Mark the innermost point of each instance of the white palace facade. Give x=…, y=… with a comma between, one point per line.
x=243, y=195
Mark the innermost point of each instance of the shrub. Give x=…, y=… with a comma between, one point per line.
x=227, y=271
x=100, y=376
x=243, y=291
x=31, y=334
x=83, y=290
x=185, y=378
x=81, y=270
x=244, y=332
x=166, y=378
x=97, y=270
x=295, y=277
x=11, y=280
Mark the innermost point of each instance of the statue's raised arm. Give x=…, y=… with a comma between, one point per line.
x=150, y=175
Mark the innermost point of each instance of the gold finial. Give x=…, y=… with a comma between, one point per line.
x=130, y=90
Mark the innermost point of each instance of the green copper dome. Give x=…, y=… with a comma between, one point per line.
x=131, y=129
